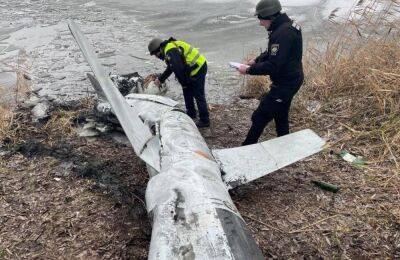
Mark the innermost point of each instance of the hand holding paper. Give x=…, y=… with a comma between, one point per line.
x=235, y=65
x=242, y=68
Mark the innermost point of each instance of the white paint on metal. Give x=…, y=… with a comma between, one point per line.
x=150, y=107
x=184, y=196
x=244, y=164
x=187, y=198
x=137, y=132
x=154, y=98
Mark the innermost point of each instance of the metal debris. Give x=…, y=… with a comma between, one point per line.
x=326, y=186
x=31, y=102
x=41, y=111
x=244, y=164
x=348, y=157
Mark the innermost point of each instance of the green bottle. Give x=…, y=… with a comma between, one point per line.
x=326, y=186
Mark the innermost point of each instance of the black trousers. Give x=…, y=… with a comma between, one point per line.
x=269, y=108
x=196, y=91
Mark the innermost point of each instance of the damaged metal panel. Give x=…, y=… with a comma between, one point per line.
x=154, y=98
x=150, y=107
x=193, y=214
x=137, y=132
x=96, y=86
x=246, y=163
x=241, y=246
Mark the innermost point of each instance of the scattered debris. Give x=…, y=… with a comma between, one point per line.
x=313, y=106
x=93, y=128
x=41, y=112
x=348, y=157
x=32, y=101
x=103, y=128
x=88, y=132
x=107, y=223
x=326, y=186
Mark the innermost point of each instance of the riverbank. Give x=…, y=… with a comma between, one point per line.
x=60, y=199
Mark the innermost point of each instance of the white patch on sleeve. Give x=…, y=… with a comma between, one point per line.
x=274, y=49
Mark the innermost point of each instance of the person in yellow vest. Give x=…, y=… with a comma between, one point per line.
x=190, y=69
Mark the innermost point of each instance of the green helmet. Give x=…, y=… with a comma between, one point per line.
x=267, y=8
x=154, y=45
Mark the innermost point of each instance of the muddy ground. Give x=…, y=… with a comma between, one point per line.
x=68, y=197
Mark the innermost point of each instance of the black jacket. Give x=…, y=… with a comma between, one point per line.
x=282, y=61
x=176, y=64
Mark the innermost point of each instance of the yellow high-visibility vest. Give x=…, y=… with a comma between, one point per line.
x=192, y=55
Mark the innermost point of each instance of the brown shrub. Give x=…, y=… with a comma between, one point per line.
x=356, y=77
x=353, y=77
x=253, y=86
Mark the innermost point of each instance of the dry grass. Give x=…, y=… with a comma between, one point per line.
x=351, y=97
x=89, y=212
x=10, y=98
x=61, y=123
x=253, y=86
x=356, y=77
x=13, y=96
x=5, y=122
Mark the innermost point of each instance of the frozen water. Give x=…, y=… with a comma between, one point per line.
x=8, y=79
x=119, y=30
x=295, y=2
x=31, y=38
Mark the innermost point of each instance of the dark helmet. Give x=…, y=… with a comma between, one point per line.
x=154, y=45
x=267, y=8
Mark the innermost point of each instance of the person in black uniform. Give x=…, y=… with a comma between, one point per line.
x=190, y=69
x=282, y=61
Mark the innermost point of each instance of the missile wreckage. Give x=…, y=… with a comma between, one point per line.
x=187, y=198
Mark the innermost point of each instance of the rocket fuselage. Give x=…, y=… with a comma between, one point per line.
x=192, y=212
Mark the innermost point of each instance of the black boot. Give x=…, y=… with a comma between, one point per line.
x=202, y=124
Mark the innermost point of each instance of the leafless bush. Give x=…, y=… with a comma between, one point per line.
x=12, y=97
x=356, y=76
